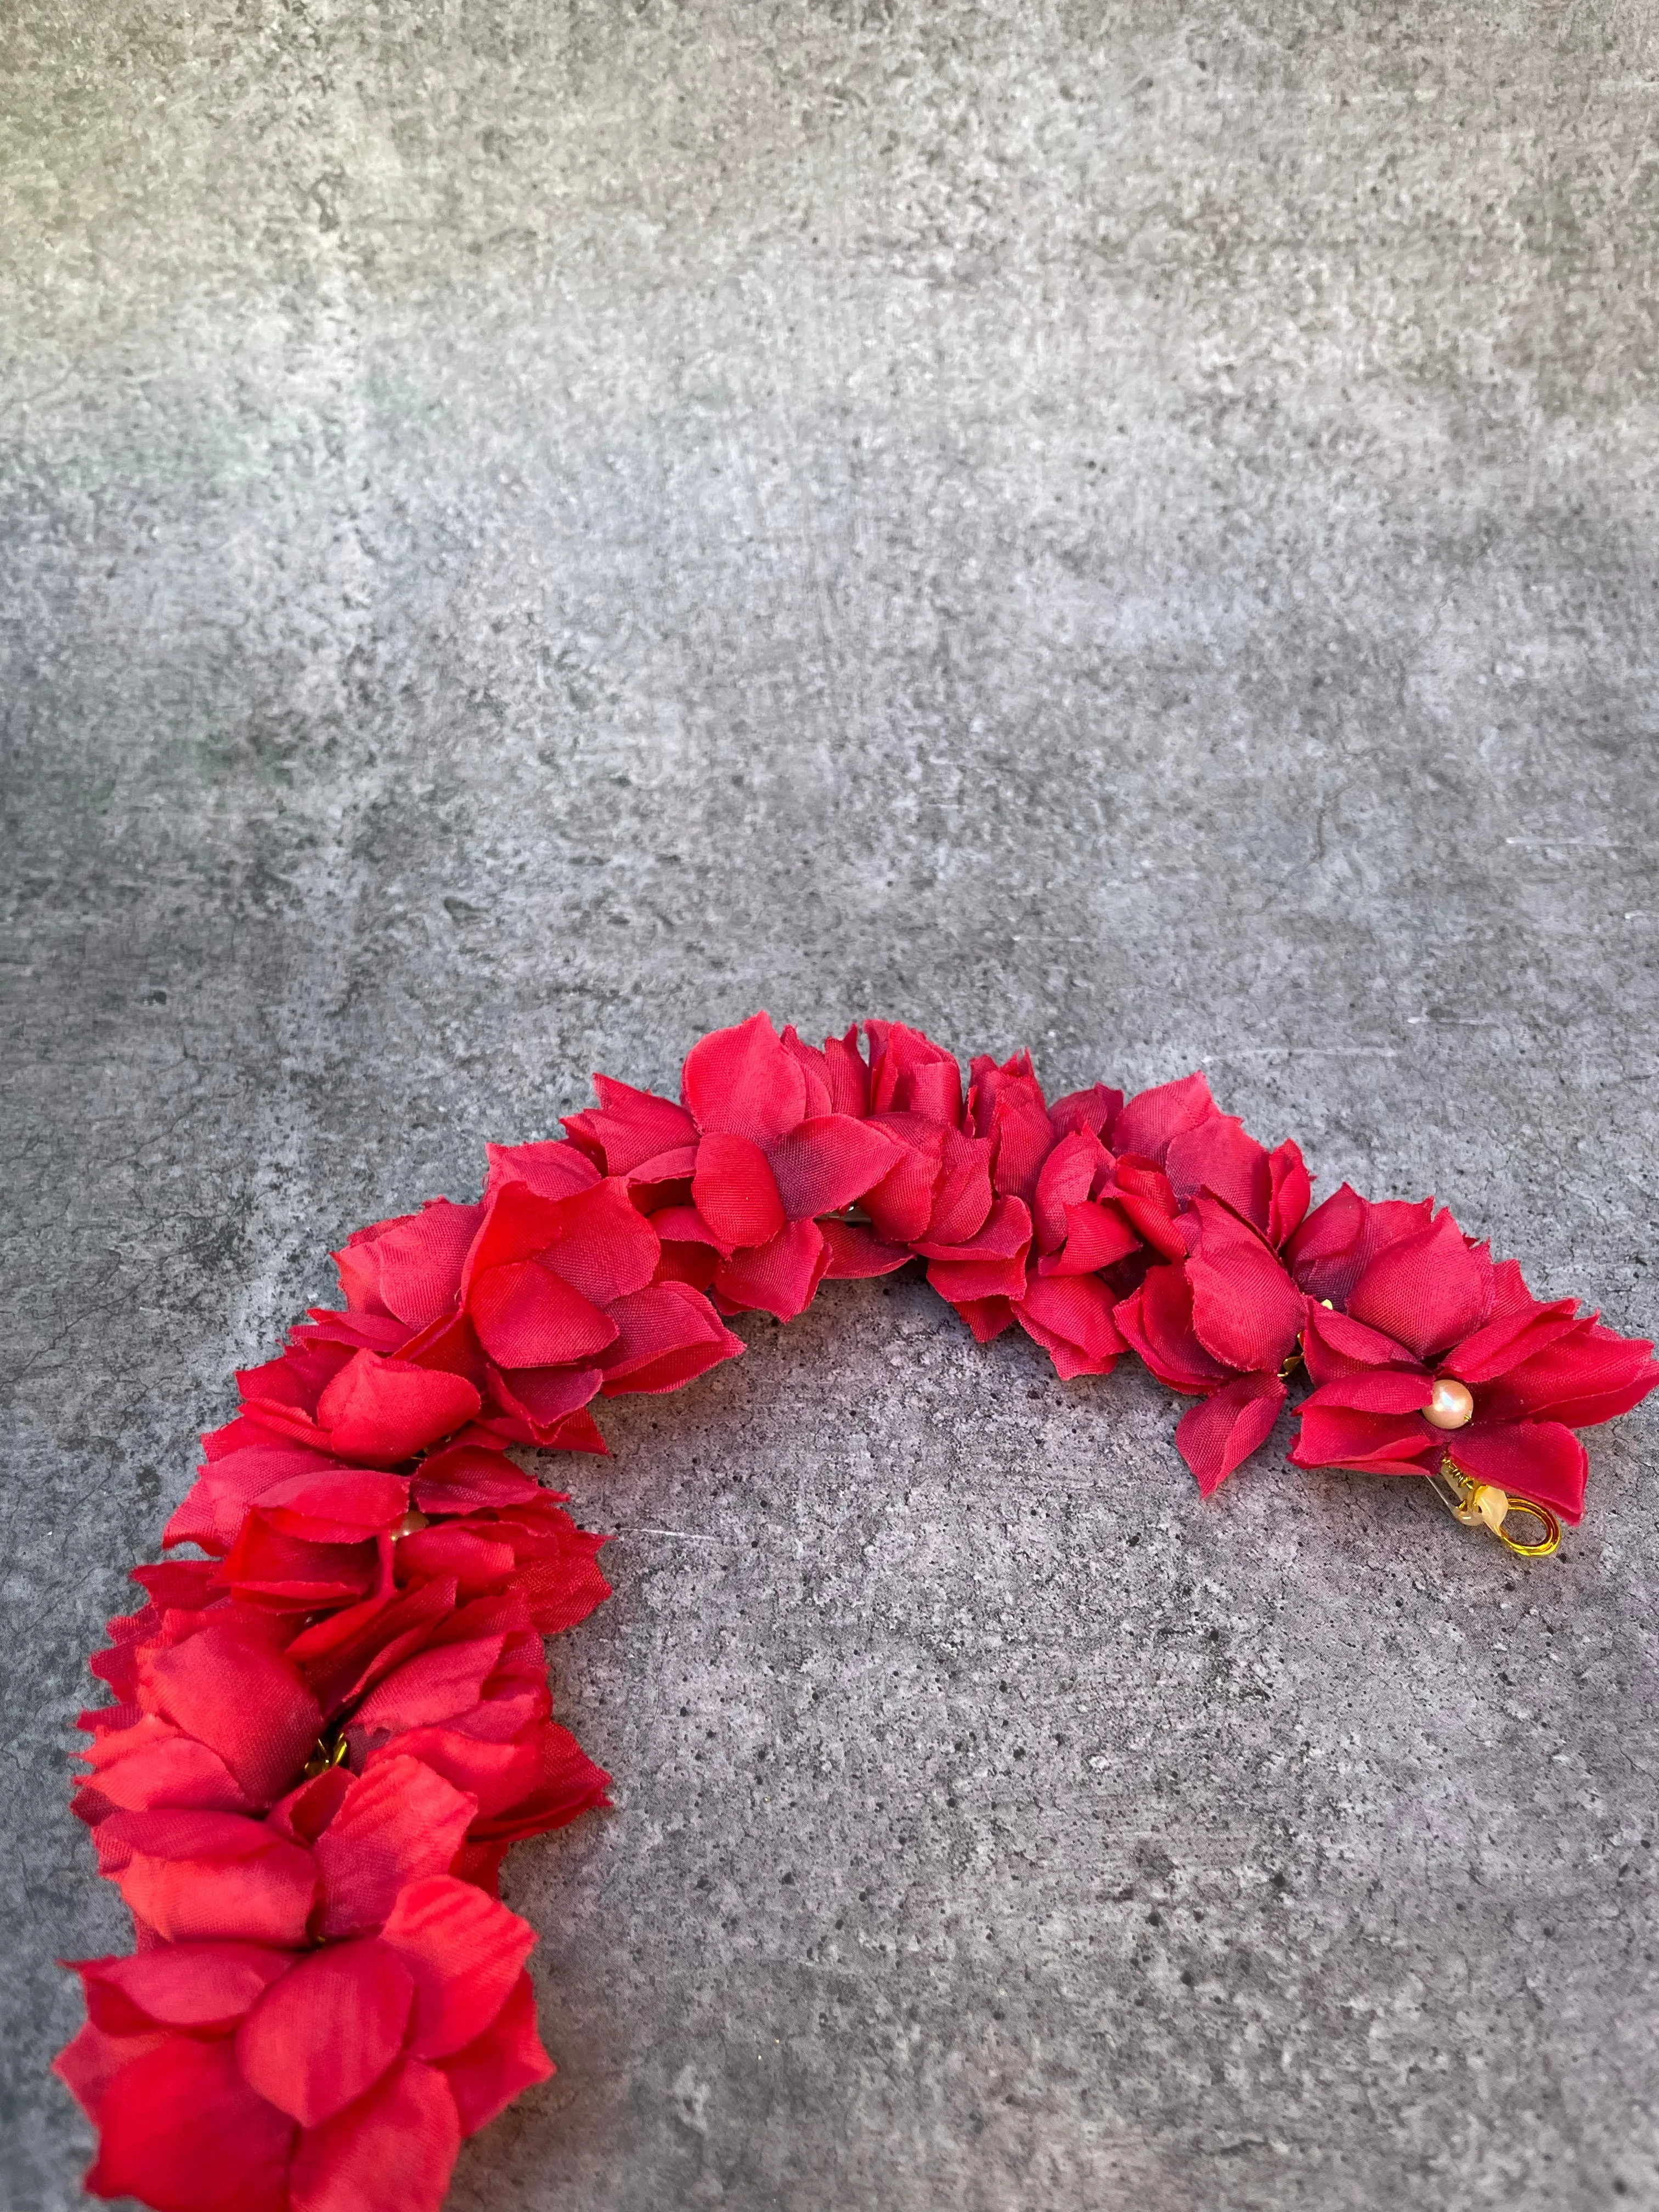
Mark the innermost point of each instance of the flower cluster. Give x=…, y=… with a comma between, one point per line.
x=326, y=1729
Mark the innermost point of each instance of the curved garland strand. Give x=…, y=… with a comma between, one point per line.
x=328, y=1728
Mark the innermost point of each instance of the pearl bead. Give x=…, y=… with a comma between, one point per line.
x=412, y=1521
x=1451, y=1405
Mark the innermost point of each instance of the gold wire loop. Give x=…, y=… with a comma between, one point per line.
x=1546, y=1544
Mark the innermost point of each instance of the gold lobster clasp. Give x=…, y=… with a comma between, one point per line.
x=1478, y=1504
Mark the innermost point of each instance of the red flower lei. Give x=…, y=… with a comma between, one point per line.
x=327, y=1730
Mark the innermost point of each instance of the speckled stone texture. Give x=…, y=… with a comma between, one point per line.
x=531, y=531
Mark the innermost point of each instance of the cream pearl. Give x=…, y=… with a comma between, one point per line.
x=411, y=1523
x=1451, y=1405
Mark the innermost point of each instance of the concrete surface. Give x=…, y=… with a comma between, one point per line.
x=531, y=531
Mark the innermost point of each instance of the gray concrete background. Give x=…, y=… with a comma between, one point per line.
x=531, y=531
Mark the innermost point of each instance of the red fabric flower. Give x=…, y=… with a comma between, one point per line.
x=244, y=2077
x=1221, y=1317
x=1427, y=1306
x=1035, y=1258
x=772, y=1154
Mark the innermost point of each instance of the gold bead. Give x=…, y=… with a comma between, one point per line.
x=1491, y=1503
x=412, y=1521
x=1451, y=1405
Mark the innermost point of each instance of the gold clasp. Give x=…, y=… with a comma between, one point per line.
x=1477, y=1504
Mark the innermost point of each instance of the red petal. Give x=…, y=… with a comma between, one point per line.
x=577, y=1432
x=1427, y=1289
x=629, y=1126
x=561, y=1580
x=1157, y=1320
x=694, y=1262
x=1068, y=1177
x=398, y=1822
x=1005, y=1104
x=527, y=1317
x=545, y=1397
x=436, y=1685
x=1246, y=1312
x=1153, y=1117
x=456, y=1480
x=450, y=1553
x=605, y=1247
x=855, y=1253
x=683, y=1224
x=934, y=1092
x=222, y=1879
x=962, y=1196
x=1005, y=1234
x=564, y=1782
x=518, y=1225
x=814, y=1067
x=486, y=2074
x=987, y=1317
x=496, y=1774
x=743, y=1083
x=736, y=1193
x=1218, y=1155
x=911, y=1075
x=181, y=2129
x=1588, y=1376
x=1071, y=1317
x=387, y=1409
x=293, y=1575
x=1540, y=1459
x=1512, y=1336
x=359, y=1331
x=464, y=1951
x=990, y=1265
x=663, y=1180
x=1095, y=1110
x=338, y=1505
x=1096, y=1237
x=1143, y=1191
x=670, y=1333
x=411, y=1267
x=1222, y=1430
x=343, y=1653
x=1371, y=1443
x=90, y=2061
x=828, y=1162
x=901, y=1205
x=325, y=2034
x=551, y=1168
x=849, y=1077
x=1334, y=1346
x=450, y=1346
x=1395, y=1391
x=392, y=2151
x=138, y=1772
x=243, y=1700
x=1292, y=1188
x=781, y=1277
x=213, y=1511
x=188, y=1985
x=1340, y=1238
